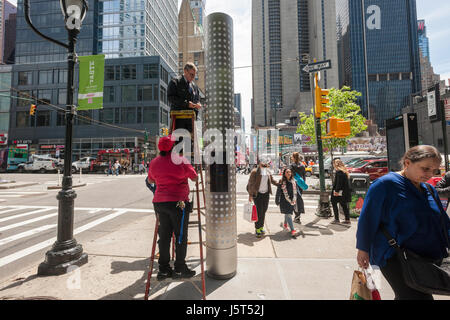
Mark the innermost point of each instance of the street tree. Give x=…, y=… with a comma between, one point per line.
x=342, y=106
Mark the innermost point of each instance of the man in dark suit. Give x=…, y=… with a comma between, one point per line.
x=183, y=94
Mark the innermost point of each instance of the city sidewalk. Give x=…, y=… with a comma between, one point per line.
x=318, y=265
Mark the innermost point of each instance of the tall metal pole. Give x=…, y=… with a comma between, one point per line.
x=324, y=205
x=65, y=253
x=363, y=5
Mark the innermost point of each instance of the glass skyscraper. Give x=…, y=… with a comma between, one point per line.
x=424, y=43
x=47, y=18
x=130, y=28
x=381, y=34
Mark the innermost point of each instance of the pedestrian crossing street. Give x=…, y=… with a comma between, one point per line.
x=25, y=230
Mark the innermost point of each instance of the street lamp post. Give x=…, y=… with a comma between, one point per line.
x=65, y=252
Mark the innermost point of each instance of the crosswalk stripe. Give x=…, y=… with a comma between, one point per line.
x=9, y=210
x=26, y=234
x=19, y=224
x=23, y=215
x=25, y=252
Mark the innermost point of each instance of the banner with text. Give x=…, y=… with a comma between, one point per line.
x=90, y=92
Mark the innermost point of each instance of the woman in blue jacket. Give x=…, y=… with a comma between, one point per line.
x=402, y=203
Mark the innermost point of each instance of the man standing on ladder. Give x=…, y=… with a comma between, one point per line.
x=183, y=94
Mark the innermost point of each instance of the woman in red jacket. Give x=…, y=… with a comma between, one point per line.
x=170, y=173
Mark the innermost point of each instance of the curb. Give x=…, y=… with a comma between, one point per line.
x=60, y=187
x=19, y=185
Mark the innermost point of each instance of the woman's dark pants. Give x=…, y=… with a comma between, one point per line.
x=170, y=218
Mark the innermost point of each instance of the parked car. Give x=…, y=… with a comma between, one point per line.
x=327, y=163
x=38, y=164
x=375, y=168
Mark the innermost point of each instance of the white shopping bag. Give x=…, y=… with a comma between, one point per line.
x=248, y=207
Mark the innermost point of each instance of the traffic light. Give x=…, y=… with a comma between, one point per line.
x=344, y=129
x=32, y=109
x=164, y=132
x=321, y=100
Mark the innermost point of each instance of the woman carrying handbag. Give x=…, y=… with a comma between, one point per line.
x=403, y=206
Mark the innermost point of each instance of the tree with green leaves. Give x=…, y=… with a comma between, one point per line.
x=342, y=106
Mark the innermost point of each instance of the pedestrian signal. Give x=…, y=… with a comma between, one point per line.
x=164, y=132
x=32, y=110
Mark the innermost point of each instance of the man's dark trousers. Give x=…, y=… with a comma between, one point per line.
x=170, y=218
x=262, y=203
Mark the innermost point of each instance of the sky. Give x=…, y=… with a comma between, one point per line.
x=436, y=19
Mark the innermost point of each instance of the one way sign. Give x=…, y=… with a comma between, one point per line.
x=317, y=66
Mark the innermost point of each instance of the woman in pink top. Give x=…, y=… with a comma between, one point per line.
x=170, y=173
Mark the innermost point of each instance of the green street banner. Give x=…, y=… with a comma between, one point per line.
x=90, y=89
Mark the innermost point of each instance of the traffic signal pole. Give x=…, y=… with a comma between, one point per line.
x=324, y=203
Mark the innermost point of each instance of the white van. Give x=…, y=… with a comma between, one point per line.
x=41, y=164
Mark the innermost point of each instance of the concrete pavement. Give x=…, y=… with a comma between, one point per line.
x=318, y=265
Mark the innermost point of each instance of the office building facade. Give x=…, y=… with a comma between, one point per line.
x=286, y=35
x=134, y=100
x=8, y=13
x=198, y=10
x=135, y=97
x=131, y=28
x=379, y=54
x=191, y=43
x=429, y=78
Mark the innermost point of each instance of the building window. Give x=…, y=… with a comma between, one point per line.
x=383, y=77
x=43, y=118
x=394, y=76
x=128, y=93
x=60, y=118
x=25, y=78
x=145, y=93
x=24, y=99
x=109, y=73
x=83, y=117
x=22, y=119
x=62, y=96
x=164, y=117
x=106, y=115
x=46, y=77
x=139, y=115
x=109, y=94
x=128, y=115
x=129, y=72
x=151, y=71
x=372, y=77
x=150, y=115
x=62, y=76
x=44, y=96
x=163, y=95
x=164, y=75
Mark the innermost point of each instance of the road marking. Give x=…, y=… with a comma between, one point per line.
x=25, y=252
x=9, y=210
x=26, y=234
x=23, y=215
x=19, y=224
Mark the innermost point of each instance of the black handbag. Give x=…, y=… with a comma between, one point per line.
x=422, y=274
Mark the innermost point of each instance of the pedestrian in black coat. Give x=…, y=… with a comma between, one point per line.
x=341, y=191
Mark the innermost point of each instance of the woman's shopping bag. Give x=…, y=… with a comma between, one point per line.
x=254, y=214
x=248, y=211
x=360, y=290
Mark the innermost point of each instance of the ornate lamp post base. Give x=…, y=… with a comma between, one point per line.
x=59, y=260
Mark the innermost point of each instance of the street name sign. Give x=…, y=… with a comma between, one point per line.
x=317, y=66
